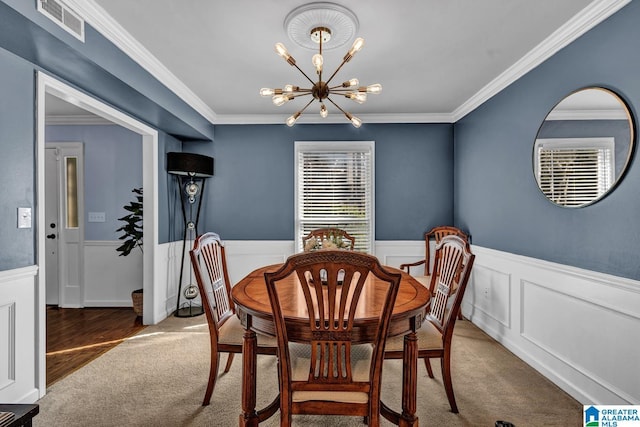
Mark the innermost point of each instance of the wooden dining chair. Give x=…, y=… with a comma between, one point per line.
x=225, y=331
x=331, y=370
x=436, y=234
x=337, y=237
x=453, y=258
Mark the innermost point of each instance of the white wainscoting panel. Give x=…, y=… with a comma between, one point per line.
x=8, y=340
x=167, y=274
x=577, y=327
x=244, y=256
x=396, y=252
x=490, y=297
x=110, y=278
x=18, y=335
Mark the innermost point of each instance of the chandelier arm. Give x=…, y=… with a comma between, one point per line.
x=304, y=74
x=344, y=61
x=305, y=107
x=336, y=105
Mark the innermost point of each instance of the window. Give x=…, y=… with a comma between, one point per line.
x=71, y=191
x=572, y=172
x=334, y=188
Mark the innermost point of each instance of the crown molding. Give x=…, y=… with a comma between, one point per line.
x=88, y=119
x=102, y=22
x=586, y=19
x=279, y=119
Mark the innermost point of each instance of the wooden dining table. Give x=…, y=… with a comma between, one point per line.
x=254, y=310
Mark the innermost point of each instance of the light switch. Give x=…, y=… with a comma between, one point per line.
x=24, y=217
x=97, y=217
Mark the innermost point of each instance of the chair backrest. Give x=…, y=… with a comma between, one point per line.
x=437, y=233
x=451, y=272
x=332, y=282
x=328, y=238
x=210, y=267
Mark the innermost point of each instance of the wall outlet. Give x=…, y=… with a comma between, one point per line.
x=97, y=217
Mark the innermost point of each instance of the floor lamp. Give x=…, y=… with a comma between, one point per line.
x=191, y=171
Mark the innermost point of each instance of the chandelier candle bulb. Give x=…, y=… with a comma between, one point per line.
x=356, y=122
x=292, y=119
x=359, y=97
x=265, y=91
x=282, y=51
x=374, y=88
x=356, y=47
x=279, y=100
x=317, y=62
x=351, y=83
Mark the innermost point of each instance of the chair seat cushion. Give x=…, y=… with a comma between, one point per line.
x=424, y=280
x=429, y=338
x=232, y=332
x=360, y=364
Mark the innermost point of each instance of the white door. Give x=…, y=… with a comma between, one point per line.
x=51, y=224
x=64, y=226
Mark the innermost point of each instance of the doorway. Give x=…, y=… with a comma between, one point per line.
x=47, y=85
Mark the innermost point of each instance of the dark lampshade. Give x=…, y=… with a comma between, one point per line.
x=189, y=164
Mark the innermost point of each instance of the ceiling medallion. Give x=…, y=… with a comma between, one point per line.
x=313, y=26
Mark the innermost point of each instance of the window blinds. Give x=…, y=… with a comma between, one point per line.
x=574, y=175
x=335, y=189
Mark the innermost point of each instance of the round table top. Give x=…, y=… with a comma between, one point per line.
x=250, y=297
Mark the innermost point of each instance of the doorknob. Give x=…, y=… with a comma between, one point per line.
x=51, y=236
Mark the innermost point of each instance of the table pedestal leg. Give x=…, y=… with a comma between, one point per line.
x=409, y=381
x=249, y=416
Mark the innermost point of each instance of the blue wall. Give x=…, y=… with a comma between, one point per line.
x=496, y=196
x=17, y=162
x=251, y=195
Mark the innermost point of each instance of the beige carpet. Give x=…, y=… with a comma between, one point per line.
x=158, y=378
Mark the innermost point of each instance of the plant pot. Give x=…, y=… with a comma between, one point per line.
x=137, y=298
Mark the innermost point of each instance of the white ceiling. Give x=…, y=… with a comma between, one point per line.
x=436, y=59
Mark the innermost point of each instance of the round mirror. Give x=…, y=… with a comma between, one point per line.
x=583, y=147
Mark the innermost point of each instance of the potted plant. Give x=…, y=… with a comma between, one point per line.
x=132, y=236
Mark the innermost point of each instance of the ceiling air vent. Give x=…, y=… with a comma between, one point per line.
x=64, y=16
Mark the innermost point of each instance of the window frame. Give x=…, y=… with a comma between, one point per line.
x=333, y=147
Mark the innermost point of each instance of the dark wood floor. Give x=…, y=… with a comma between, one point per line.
x=76, y=336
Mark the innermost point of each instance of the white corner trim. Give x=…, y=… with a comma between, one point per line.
x=100, y=20
x=619, y=282
x=586, y=19
x=18, y=273
x=279, y=119
x=88, y=119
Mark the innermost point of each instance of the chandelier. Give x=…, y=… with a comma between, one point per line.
x=321, y=90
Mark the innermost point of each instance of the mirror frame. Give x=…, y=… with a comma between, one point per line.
x=625, y=166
